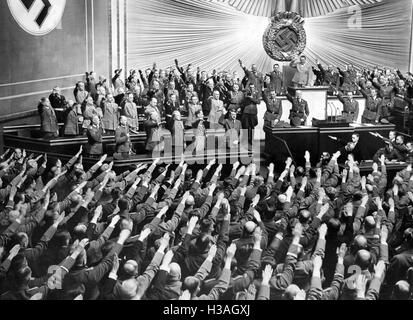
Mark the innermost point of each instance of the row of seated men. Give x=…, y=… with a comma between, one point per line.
x=168, y=90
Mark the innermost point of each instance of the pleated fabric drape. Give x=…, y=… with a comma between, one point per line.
x=214, y=35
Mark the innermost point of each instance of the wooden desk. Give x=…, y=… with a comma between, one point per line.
x=298, y=141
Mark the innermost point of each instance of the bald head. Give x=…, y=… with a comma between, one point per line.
x=370, y=223
x=131, y=268
x=128, y=289
x=291, y=292
x=174, y=271
x=360, y=242
x=190, y=201
x=363, y=259
x=250, y=226
x=401, y=291
x=192, y=285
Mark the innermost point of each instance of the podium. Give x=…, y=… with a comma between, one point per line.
x=316, y=98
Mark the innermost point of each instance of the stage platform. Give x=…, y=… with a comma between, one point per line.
x=27, y=137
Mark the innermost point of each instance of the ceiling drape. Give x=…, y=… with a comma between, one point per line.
x=306, y=8
x=214, y=35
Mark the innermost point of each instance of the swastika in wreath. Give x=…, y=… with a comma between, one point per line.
x=37, y=17
x=285, y=37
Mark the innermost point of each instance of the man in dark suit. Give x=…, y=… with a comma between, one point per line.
x=277, y=79
x=233, y=129
x=49, y=126
x=250, y=111
x=122, y=138
x=330, y=78
x=94, y=147
x=299, y=112
x=57, y=100
x=355, y=148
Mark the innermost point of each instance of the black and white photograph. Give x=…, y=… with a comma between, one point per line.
x=206, y=157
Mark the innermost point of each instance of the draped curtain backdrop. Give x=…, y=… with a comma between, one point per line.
x=214, y=34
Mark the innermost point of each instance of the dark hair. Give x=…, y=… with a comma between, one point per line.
x=123, y=204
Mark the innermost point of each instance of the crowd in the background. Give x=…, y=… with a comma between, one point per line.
x=178, y=98
x=168, y=232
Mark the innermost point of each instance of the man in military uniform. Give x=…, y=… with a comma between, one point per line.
x=122, y=138
x=94, y=147
x=351, y=107
x=373, y=107
x=299, y=112
x=331, y=78
x=304, y=75
x=274, y=109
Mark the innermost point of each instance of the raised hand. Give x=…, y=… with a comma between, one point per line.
x=164, y=242
x=212, y=252
x=322, y=231
x=342, y=250
x=317, y=263
x=267, y=274
x=231, y=251
x=115, y=263
x=307, y=156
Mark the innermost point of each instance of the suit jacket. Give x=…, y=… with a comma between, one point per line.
x=274, y=109
x=110, y=119
x=304, y=73
x=94, y=137
x=123, y=143
x=300, y=108
x=277, y=80
x=71, y=123
x=57, y=101
x=48, y=120
x=250, y=104
x=178, y=133
x=150, y=128
x=351, y=108
x=330, y=78
x=216, y=111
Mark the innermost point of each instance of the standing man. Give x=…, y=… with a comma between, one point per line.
x=178, y=134
x=330, y=78
x=299, y=112
x=94, y=147
x=71, y=120
x=232, y=129
x=110, y=120
x=351, y=107
x=57, y=100
x=354, y=147
x=237, y=98
x=130, y=111
x=254, y=77
x=217, y=111
x=250, y=112
x=49, y=126
x=207, y=91
x=274, y=109
x=122, y=138
x=277, y=79
x=304, y=75
x=373, y=105
x=152, y=129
